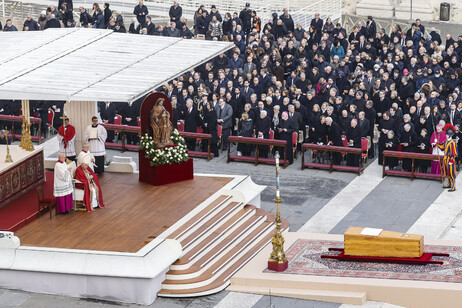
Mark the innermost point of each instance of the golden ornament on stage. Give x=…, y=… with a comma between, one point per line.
x=8, y=158
x=26, y=141
x=277, y=261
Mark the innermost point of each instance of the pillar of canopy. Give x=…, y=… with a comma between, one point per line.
x=80, y=114
x=25, y=109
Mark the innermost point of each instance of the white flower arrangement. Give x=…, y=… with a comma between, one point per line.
x=167, y=155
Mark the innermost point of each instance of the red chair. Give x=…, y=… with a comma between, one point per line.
x=51, y=117
x=345, y=144
x=364, y=149
x=199, y=130
x=117, y=121
x=271, y=136
x=294, y=143
x=219, y=131
x=180, y=126
x=138, y=120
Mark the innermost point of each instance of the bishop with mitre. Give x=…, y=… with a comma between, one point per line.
x=84, y=153
x=93, y=197
x=66, y=137
x=96, y=136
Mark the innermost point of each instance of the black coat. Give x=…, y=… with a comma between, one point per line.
x=263, y=126
x=108, y=113
x=129, y=112
x=298, y=121
x=354, y=133
x=53, y=23
x=388, y=125
x=317, y=24
x=371, y=116
x=210, y=118
x=192, y=120
x=364, y=126
x=335, y=134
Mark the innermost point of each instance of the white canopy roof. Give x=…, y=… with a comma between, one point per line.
x=81, y=64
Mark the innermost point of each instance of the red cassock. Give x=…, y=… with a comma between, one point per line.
x=67, y=135
x=80, y=175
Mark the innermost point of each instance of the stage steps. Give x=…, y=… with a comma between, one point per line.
x=216, y=243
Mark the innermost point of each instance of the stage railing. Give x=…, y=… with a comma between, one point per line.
x=413, y=156
x=14, y=119
x=122, y=129
x=332, y=149
x=258, y=141
x=201, y=136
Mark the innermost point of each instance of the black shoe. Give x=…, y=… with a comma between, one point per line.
x=447, y=186
x=451, y=190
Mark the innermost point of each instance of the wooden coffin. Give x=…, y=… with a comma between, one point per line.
x=387, y=244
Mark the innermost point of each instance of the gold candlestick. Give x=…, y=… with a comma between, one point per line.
x=8, y=158
x=26, y=141
x=278, y=261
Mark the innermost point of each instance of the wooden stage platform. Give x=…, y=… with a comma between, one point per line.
x=135, y=214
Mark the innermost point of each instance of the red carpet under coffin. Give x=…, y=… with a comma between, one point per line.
x=20, y=212
x=23, y=210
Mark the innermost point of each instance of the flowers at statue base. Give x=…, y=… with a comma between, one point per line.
x=175, y=153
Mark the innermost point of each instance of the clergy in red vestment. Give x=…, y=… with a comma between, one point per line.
x=93, y=196
x=66, y=137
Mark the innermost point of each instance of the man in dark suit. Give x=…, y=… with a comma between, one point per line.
x=454, y=115
x=363, y=124
x=240, y=101
x=296, y=118
x=334, y=137
x=107, y=113
x=317, y=23
x=371, y=115
x=369, y=81
x=225, y=119
x=247, y=91
x=141, y=11
x=150, y=26
x=175, y=13
x=371, y=28
x=129, y=118
x=192, y=120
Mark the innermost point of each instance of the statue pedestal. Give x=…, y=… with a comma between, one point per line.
x=164, y=174
x=278, y=267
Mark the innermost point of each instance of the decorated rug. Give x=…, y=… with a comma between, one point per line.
x=305, y=259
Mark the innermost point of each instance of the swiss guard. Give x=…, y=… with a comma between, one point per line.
x=449, y=147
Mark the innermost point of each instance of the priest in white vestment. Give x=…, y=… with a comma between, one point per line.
x=62, y=187
x=83, y=156
x=96, y=135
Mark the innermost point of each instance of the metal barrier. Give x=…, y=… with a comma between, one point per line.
x=332, y=149
x=349, y=21
x=413, y=156
x=257, y=141
x=325, y=8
